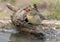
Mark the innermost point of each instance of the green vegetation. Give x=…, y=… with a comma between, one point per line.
x=35, y=2
x=1, y=14
x=53, y=6
x=10, y=1
x=55, y=10
x=3, y=0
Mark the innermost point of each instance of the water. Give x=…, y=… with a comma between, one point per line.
x=51, y=35
x=4, y=37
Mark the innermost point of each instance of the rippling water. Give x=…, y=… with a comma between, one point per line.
x=50, y=34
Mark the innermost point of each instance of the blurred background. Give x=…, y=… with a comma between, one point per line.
x=50, y=9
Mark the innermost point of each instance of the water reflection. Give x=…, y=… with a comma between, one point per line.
x=24, y=38
x=9, y=35
x=50, y=34
x=4, y=37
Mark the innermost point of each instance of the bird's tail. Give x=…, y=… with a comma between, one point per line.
x=11, y=7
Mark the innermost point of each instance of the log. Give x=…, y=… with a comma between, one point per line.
x=7, y=24
x=44, y=22
x=23, y=25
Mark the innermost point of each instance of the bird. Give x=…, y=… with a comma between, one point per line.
x=34, y=16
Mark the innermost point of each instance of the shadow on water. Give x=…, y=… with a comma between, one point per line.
x=50, y=34
x=9, y=35
x=24, y=38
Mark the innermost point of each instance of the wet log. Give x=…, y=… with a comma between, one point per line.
x=4, y=23
x=25, y=26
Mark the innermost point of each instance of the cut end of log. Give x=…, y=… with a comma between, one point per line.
x=11, y=7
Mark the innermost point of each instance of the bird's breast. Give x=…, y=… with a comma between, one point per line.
x=34, y=19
